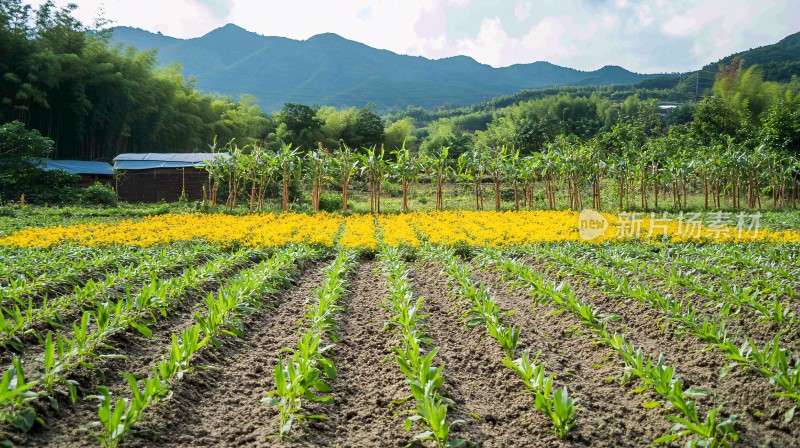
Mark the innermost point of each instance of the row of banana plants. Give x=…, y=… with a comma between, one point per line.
x=424, y=379
x=17, y=322
x=762, y=300
x=556, y=404
x=771, y=360
x=224, y=309
x=73, y=274
x=306, y=373
x=714, y=430
x=63, y=353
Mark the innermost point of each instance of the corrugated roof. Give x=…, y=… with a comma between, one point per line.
x=152, y=160
x=151, y=164
x=77, y=166
x=186, y=157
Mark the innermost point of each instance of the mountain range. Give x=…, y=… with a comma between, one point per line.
x=328, y=69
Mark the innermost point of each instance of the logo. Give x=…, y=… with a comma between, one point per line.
x=591, y=224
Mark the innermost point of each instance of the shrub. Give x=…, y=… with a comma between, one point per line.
x=330, y=202
x=99, y=194
x=46, y=187
x=392, y=189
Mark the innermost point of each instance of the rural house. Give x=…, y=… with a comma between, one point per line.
x=152, y=177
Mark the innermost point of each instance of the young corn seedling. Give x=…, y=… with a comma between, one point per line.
x=15, y=394
x=434, y=413
x=774, y=312
x=712, y=432
x=292, y=386
x=116, y=418
x=533, y=375
x=558, y=406
x=301, y=377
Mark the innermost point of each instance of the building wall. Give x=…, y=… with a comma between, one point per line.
x=159, y=184
x=91, y=179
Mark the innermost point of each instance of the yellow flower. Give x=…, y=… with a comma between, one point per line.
x=490, y=229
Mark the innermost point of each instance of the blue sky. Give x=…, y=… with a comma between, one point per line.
x=643, y=36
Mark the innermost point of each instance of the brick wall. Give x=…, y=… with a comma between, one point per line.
x=161, y=184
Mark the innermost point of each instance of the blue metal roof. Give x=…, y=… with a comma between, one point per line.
x=150, y=164
x=77, y=166
x=147, y=161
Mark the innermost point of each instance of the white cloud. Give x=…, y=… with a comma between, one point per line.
x=645, y=36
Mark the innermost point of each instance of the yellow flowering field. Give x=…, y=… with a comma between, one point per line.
x=491, y=229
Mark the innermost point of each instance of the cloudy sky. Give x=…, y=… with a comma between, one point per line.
x=643, y=36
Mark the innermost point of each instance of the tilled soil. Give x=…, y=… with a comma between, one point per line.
x=366, y=409
x=608, y=415
x=70, y=425
x=487, y=396
x=221, y=406
x=744, y=393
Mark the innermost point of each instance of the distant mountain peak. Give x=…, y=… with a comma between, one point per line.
x=229, y=31
x=327, y=37
x=329, y=69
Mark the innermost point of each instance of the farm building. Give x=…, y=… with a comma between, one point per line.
x=152, y=177
x=90, y=172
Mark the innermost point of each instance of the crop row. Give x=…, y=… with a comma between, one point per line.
x=424, y=379
x=712, y=430
x=556, y=404
x=301, y=377
x=222, y=316
x=771, y=360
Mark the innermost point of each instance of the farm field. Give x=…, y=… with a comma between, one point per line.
x=429, y=329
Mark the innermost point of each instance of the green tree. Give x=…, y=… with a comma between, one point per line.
x=303, y=125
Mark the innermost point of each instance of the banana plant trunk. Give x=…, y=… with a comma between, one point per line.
x=496, y=194
x=285, y=196
x=405, y=195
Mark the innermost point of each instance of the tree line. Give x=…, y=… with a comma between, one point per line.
x=95, y=99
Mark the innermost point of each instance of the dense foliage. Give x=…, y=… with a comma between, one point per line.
x=735, y=136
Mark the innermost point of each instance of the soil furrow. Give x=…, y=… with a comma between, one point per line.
x=368, y=380
x=486, y=393
x=221, y=406
x=608, y=415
